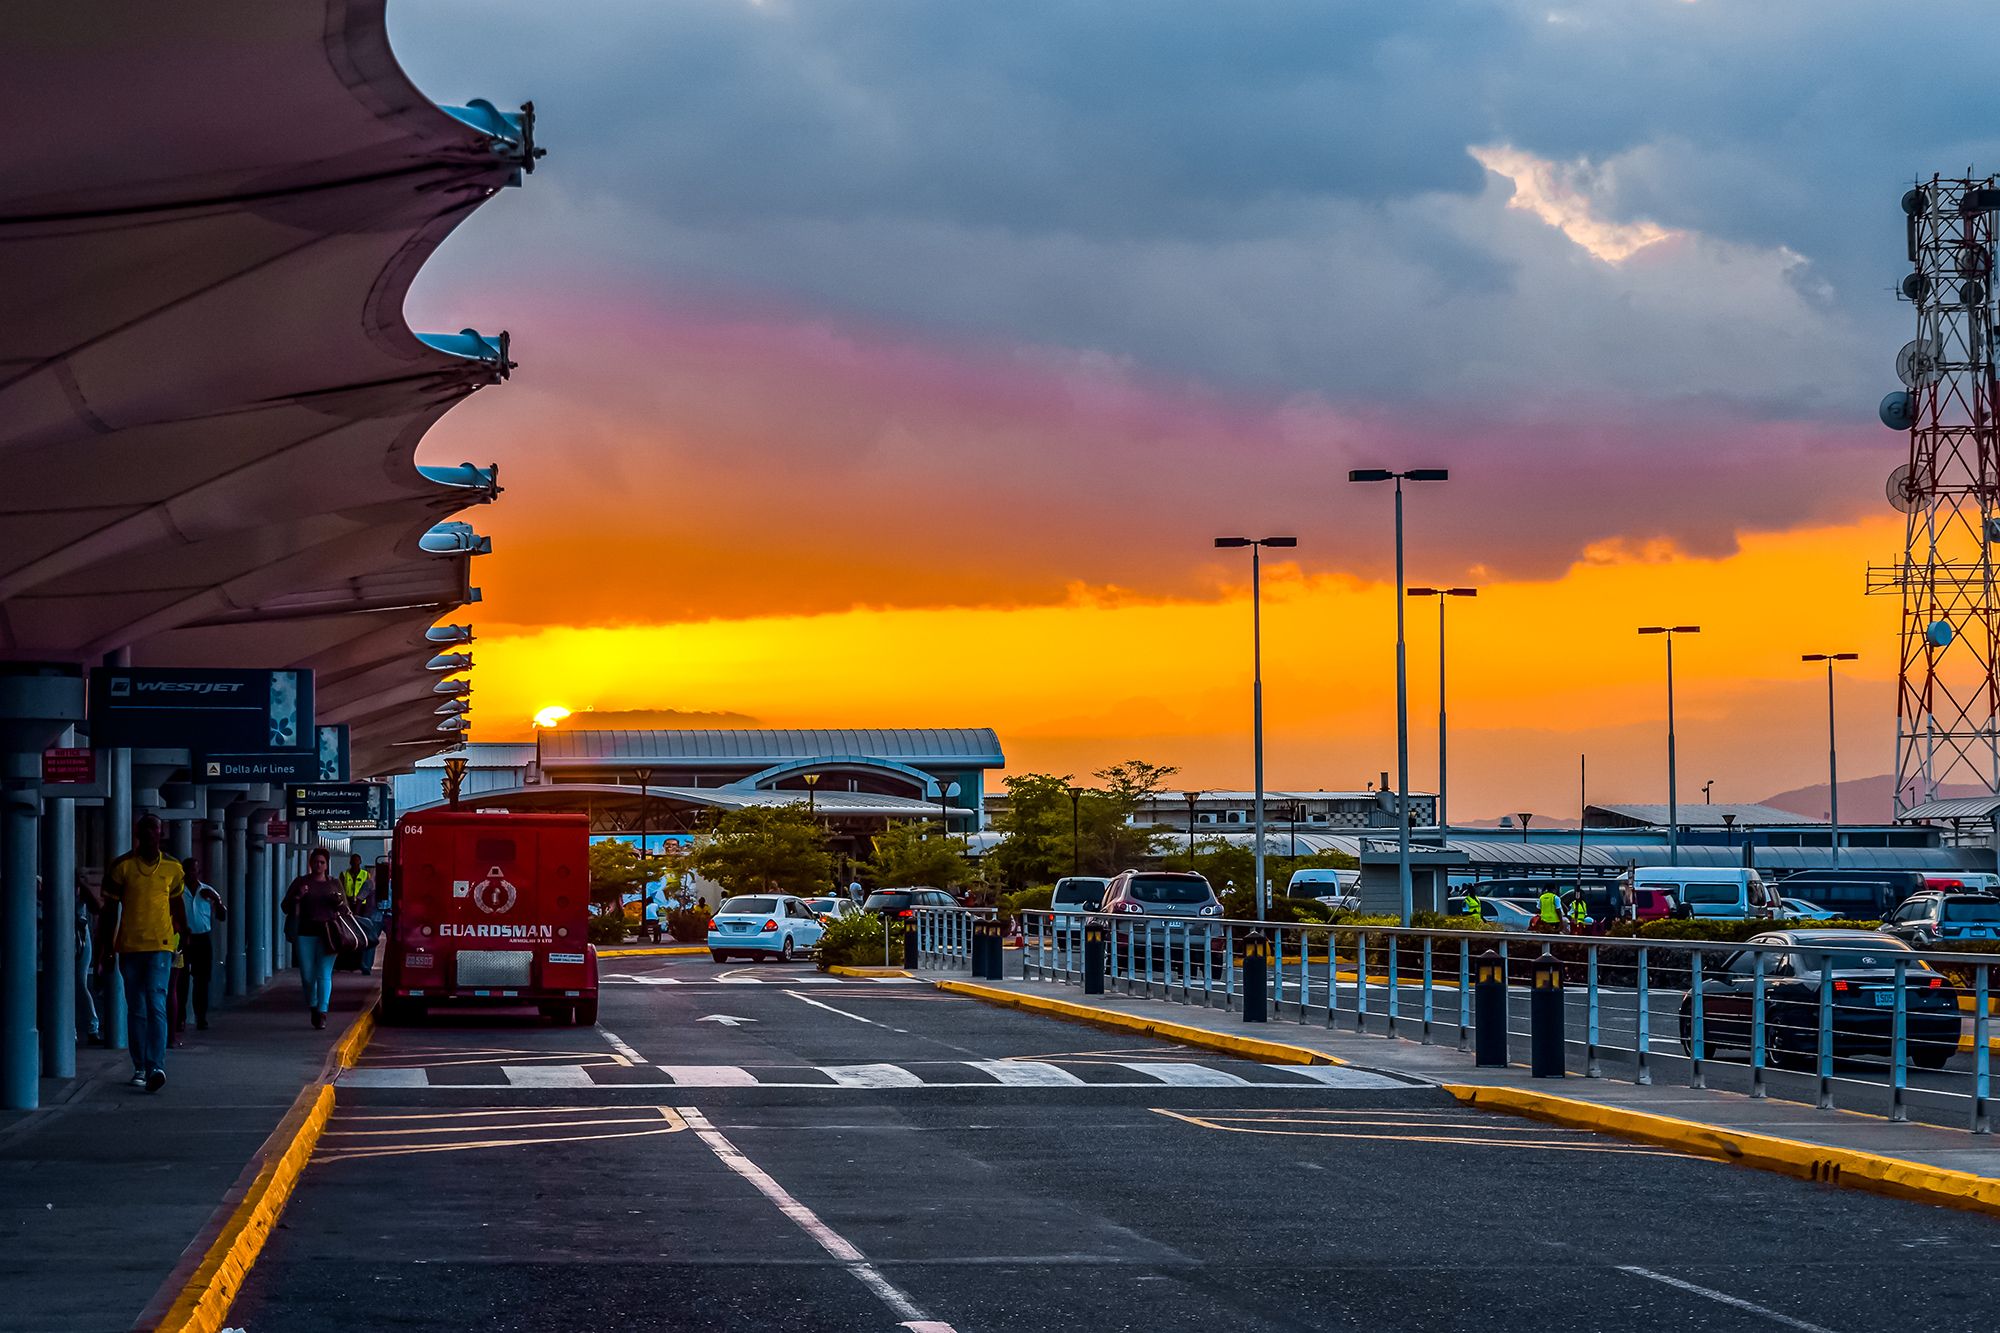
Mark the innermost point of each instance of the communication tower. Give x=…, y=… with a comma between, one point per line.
x=1947, y=701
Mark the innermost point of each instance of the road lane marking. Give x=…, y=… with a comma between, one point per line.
x=839, y=1247
x=1027, y=1073
x=710, y=1076
x=1240, y=1124
x=618, y=1044
x=807, y=999
x=370, y=1077
x=1337, y=1076
x=872, y=1076
x=1185, y=1074
x=400, y=1144
x=1724, y=1298
x=548, y=1076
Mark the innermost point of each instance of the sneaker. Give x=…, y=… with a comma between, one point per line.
x=156, y=1080
x=138, y=1079
x=201, y=1025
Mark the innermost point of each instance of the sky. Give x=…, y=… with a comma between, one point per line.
x=894, y=362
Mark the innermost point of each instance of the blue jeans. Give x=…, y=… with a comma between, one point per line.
x=146, y=977
x=315, y=970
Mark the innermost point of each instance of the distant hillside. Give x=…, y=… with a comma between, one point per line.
x=1862, y=801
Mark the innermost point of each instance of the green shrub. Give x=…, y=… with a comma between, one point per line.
x=1726, y=932
x=857, y=941
x=1027, y=900
x=688, y=924
x=608, y=928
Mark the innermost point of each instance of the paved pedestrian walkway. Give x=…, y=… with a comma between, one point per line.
x=1443, y=1062
x=106, y=1186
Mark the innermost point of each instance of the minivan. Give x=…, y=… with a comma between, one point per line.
x=1857, y=895
x=1724, y=893
x=1073, y=897
x=1322, y=883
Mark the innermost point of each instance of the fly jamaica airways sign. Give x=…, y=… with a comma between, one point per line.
x=348, y=802
x=216, y=712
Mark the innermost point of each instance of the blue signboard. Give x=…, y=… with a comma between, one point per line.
x=268, y=766
x=340, y=802
x=190, y=708
x=333, y=755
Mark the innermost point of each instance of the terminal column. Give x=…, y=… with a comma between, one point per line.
x=59, y=978
x=36, y=703
x=117, y=773
x=257, y=892
x=236, y=976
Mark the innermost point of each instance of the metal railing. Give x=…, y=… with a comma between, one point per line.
x=1632, y=1007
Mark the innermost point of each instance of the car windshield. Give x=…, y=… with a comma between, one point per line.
x=748, y=907
x=1713, y=893
x=1983, y=911
x=1078, y=895
x=1876, y=955
x=1170, y=889
x=822, y=904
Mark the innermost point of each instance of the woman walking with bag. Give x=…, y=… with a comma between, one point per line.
x=318, y=912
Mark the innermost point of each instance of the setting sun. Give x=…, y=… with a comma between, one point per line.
x=551, y=715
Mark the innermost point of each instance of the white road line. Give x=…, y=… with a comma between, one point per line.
x=1027, y=1073
x=836, y=1245
x=1178, y=1074
x=807, y=999
x=548, y=1076
x=1333, y=1076
x=1724, y=1298
x=617, y=1043
x=367, y=1077
x=709, y=1076
x=871, y=1076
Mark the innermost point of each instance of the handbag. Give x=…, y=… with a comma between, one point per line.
x=343, y=932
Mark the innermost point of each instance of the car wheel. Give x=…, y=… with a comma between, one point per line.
x=1687, y=1037
x=1932, y=1054
x=718, y=955
x=787, y=954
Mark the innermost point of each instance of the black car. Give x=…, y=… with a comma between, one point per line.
x=1858, y=895
x=1862, y=965
x=903, y=902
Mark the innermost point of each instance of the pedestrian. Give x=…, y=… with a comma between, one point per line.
x=311, y=903
x=204, y=908
x=1473, y=909
x=143, y=918
x=651, y=929
x=1548, y=916
x=359, y=890
x=89, y=906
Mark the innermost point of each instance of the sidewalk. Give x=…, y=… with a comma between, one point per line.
x=106, y=1186
x=1727, y=1113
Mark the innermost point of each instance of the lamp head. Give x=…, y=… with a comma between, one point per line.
x=1370, y=474
x=1428, y=474
x=1232, y=541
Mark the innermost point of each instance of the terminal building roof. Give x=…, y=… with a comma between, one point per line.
x=1697, y=815
x=925, y=747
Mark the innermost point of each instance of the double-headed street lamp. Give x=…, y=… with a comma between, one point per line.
x=1673, y=790
x=1402, y=676
x=1441, y=594
x=1832, y=751
x=1257, y=687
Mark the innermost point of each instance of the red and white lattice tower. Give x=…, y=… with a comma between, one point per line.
x=1947, y=702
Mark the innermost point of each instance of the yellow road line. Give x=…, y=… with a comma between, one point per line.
x=653, y=951
x=840, y=971
x=1808, y=1161
x=1250, y=1048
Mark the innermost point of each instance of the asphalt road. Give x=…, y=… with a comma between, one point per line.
x=866, y=1156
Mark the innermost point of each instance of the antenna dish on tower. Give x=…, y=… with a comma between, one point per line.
x=1917, y=363
x=1902, y=494
x=1896, y=410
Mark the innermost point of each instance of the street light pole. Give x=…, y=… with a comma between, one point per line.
x=812, y=786
x=1192, y=797
x=1441, y=594
x=1832, y=750
x=645, y=776
x=1256, y=544
x=1075, y=824
x=1673, y=787
x=1402, y=680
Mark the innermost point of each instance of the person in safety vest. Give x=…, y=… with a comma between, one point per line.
x=1579, y=911
x=1473, y=909
x=360, y=895
x=1550, y=915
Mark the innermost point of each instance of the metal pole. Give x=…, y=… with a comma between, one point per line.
x=58, y=1021
x=1832, y=767
x=1075, y=827
x=20, y=842
x=1402, y=732
x=1257, y=711
x=1673, y=798
x=1443, y=597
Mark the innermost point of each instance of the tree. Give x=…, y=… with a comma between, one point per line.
x=1036, y=823
x=906, y=855
x=1039, y=848
x=1111, y=840
x=762, y=848
x=618, y=871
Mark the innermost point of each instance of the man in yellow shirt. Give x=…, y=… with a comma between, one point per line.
x=143, y=918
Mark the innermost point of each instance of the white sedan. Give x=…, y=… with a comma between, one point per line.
x=1798, y=909
x=760, y=925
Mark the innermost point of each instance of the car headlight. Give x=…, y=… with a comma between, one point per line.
x=1213, y=909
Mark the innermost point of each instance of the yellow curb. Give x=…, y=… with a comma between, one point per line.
x=650, y=951
x=840, y=971
x=1807, y=1161
x=204, y=1300
x=1253, y=1048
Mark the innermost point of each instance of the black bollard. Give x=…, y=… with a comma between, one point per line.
x=1489, y=1011
x=978, y=950
x=909, y=943
x=1093, y=958
x=1256, y=966
x=1545, y=1019
x=996, y=951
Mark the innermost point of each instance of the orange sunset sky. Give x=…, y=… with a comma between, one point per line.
x=889, y=365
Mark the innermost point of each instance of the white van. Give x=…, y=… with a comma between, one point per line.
x=1322, y=883
x=1716, y=892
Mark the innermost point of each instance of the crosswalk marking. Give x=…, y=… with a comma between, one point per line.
x=377, y=1077
x=709, y=1076
x=780, y=978
x=1027, y=1073
x=548, y=1076
x=872, y=1076
x=1183, y=1074
x=1335, y=1076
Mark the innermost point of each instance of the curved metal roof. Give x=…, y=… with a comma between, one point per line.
x=579, y=795
x=961, y=747
x=210, y=402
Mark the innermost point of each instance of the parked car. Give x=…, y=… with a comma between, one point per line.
x=1073, y=897
x=1322, y=883
x=1724, y=893
x=763, y=925
x=832, y=908
x=1656, y=904
x=1933, y=920
x=1862, y=967
x=1508, y=913
x=904, y=902
x=1798, y=909
x=1162, y=893
x=1855, y=895
x=1605, y=899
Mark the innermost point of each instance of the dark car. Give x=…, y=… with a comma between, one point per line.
x=904, y=902
x=1862, y=965
x=1933, y=920
x=1858, y=895
x=1163, y=893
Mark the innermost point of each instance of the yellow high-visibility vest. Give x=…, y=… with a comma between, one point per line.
x=1474, y=908
x=352, y=882
x=1551, y=909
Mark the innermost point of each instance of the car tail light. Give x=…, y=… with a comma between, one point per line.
x=1936, y=982
x=1134, y=909
x=825, y=920
x=905, y=912
x=1840, y=985
x=771, y=925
